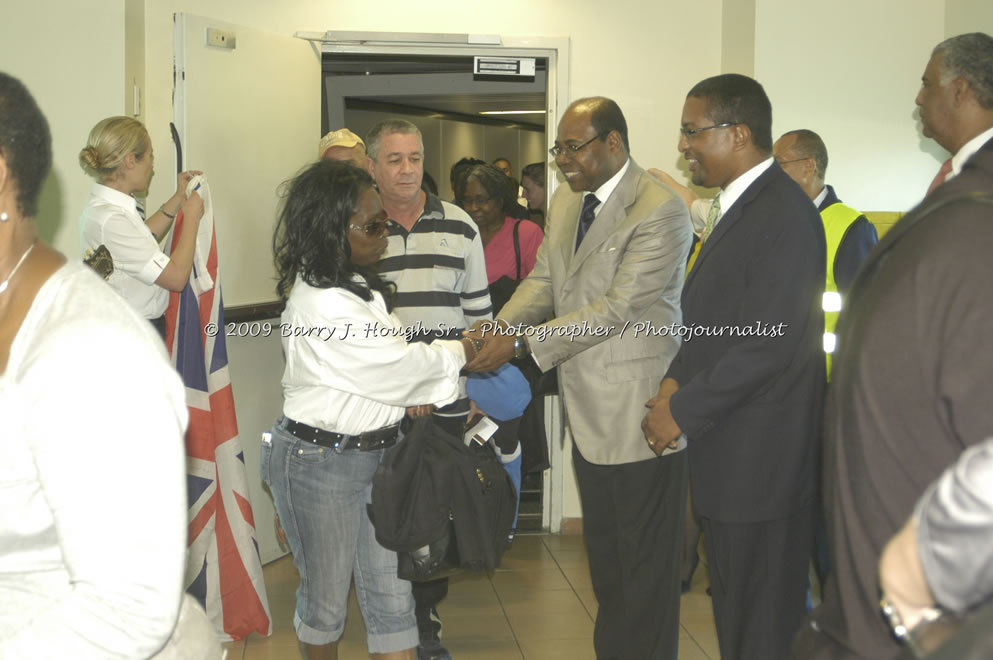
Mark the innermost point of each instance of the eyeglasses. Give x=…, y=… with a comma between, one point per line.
x=475, y=201
x=795, y=160
x=373, y=228
x=690, y=132
x=571, y=149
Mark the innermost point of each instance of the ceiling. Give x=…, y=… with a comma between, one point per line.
x=455, y=103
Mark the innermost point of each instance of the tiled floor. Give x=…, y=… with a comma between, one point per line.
x=538, y=605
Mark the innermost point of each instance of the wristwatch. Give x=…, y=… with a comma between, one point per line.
x=935, y=627
x=521, y=348
x=893, y=618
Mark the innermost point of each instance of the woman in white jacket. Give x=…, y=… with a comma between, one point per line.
x=350, y=377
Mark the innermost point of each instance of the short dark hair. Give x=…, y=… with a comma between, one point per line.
x=971, y=57
x=497, y=185
x=461, y=167
x=810, y=145
x=25, y=142
x=389, y=127
x=311, y=236
x=606, y=116
x=535, y=172
x=738, y=99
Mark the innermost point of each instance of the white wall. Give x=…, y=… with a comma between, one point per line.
x=646, y=63
x=71, y=57
x=256, y=366
x=968, y=16
x=851, y=73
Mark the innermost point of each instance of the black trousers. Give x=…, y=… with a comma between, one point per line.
x=758, y=583
x=427, y=595
x=633, y=525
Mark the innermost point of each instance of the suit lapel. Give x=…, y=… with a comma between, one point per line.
x=610, y=215
x=566, y=217
x=730, y=218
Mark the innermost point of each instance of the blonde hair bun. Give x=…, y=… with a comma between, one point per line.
x=110, y=141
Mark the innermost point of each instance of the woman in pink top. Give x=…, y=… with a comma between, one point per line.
x=488, y=195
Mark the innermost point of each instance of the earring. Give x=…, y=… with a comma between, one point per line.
x=4, y=217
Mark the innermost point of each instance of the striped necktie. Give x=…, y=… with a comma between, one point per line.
x=712, y=215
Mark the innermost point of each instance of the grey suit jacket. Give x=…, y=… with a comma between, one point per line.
x=611, y=303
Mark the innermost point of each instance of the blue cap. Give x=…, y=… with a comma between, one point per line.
x=502, y=394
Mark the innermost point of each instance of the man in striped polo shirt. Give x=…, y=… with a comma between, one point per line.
x=435, y=258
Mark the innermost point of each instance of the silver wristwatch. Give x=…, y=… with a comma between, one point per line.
x=521, y=348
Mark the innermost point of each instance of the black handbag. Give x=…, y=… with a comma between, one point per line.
x=502, y=289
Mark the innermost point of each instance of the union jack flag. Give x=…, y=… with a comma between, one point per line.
x=223, y=569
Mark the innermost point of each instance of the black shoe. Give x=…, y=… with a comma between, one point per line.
x=430, y=646
x=687, y=583
x=432, y=649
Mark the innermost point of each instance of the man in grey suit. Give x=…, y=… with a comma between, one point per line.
x=609, y=273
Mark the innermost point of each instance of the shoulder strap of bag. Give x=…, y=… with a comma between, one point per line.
x=517, y=247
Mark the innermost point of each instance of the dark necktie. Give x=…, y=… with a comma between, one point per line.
x=940, y=177
x=590, y=202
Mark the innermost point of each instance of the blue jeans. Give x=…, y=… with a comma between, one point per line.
x=321, y=496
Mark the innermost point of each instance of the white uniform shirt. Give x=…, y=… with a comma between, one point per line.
x=111, y=218
x=349, y=368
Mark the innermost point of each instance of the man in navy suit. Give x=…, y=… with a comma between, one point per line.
x=747, y=385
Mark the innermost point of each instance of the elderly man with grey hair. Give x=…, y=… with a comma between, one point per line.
x=910, y=388
x=956, y=99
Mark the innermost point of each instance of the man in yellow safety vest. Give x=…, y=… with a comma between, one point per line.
x=850, y=236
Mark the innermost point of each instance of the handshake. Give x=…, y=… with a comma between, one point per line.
x=494, y=343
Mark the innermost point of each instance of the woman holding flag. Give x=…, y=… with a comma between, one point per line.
x=119, y=157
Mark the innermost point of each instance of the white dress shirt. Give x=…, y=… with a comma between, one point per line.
x=730, y=194
x=967, y=151
x=349, y=368
x=700, y=208
x=821, y=196
x=607, y=189
x=110, y=218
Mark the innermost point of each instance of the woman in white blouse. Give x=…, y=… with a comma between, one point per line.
x=350, y=377
x=119, y=156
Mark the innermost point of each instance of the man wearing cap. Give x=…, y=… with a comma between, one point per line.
x=343, y=145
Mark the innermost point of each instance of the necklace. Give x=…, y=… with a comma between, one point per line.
x=3, y=285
